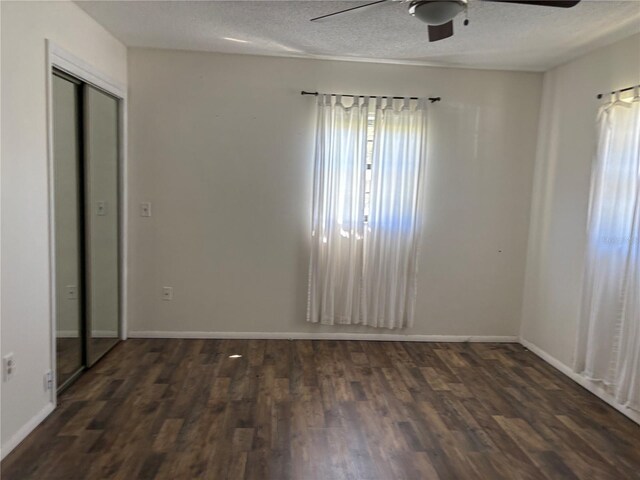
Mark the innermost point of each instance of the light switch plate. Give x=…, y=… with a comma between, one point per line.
x=145, y=209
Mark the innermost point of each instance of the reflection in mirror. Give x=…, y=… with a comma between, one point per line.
x=101, y=216
x=68, y=247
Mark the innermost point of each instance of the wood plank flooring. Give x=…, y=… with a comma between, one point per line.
x=68, y=357
x=182, y=409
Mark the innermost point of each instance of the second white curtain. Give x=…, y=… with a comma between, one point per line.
x=391, y=234
x=609, y=342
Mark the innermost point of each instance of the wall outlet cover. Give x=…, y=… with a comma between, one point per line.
x=167, y=293
x=8, y=367
x=101, y=208
x=145, y=209
x=48, y=380
x=72, y=292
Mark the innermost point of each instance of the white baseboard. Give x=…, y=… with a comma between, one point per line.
x=589, y=385
x=26, y=429
x=326, y=336
x=67, y=334
x=104, y=334
x=95, y=334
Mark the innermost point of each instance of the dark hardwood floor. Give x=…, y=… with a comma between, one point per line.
x=181, y=409
x=68, y=357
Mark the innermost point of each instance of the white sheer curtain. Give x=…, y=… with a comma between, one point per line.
x=338, y=211
x=363, y=269
x=608, y=348
x=391, y=236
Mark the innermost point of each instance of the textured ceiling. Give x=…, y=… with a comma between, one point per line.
x=519, y=37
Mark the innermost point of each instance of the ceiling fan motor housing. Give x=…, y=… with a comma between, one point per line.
x=436, y=12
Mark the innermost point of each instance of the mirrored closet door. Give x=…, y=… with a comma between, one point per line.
x=101, y=194
x=86, y=219
x=67, y=148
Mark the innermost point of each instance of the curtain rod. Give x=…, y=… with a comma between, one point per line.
x=431, y=99
x=600, y=95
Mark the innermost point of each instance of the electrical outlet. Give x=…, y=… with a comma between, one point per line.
x=167, y=293
x=101, y=208
x=145, y=209
x=72, y=292
x=8, y=367
x=48, y=380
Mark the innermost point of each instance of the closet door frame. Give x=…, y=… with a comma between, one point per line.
x=59, y=59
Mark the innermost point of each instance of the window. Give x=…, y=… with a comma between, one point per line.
x=613, y=182
x=371, y=117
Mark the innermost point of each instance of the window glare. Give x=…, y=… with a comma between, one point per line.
x=369, y=159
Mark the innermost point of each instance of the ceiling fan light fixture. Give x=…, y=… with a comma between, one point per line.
x=436, y=12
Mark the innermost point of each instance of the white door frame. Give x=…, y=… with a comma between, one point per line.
x=67, y=62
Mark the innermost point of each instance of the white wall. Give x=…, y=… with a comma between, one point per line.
x=222, y=145
x=566, y=145
x=25, y=250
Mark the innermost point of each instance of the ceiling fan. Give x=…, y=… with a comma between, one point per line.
x=439, y=14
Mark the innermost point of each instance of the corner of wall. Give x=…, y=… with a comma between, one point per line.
x=537, y=198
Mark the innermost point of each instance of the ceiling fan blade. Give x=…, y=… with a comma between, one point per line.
x=440, y=32
x=348, y=10
x=542, y=3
